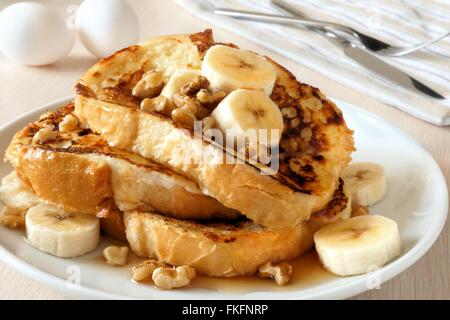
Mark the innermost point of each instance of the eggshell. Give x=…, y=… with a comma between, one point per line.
x=34, y=34
x=105, y=26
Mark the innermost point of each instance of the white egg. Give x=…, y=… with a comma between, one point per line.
x=34, y=34
x=105, y=26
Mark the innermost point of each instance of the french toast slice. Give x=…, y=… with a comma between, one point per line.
x=78, y=171
x=313, y=152
x=226, y=248
x=17, y=198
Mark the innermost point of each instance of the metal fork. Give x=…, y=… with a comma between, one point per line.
x=370, y=43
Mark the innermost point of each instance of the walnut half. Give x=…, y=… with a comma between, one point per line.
x=158, y=104
x=144, y=270
x=191, y=88
x=168, y=278
x=184, y=117
x=149, y=86
x=280, y=272
x=205, y=97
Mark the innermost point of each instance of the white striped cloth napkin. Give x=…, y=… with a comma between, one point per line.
x=397, y=22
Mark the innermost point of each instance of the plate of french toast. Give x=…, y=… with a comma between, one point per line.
x=185, y=168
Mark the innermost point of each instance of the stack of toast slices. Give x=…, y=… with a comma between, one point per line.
x=108, y=156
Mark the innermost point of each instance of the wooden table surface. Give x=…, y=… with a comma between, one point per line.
x=24, y=88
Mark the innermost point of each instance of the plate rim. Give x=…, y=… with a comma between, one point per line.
x=339, y=292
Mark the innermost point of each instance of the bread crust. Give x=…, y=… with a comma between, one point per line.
x=261, y=198
x=278, y=201
x=90, y=177
x=214, y=249
x=226, y=249
x=114, y=226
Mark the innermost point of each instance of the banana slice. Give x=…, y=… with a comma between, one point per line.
x=366, y=181
x=245, y=112
x=229, y=68
x=61, y=233
x=14, y=194
x=177, y=81
x=356, y=245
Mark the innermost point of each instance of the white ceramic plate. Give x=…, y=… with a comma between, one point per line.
x=417, y=199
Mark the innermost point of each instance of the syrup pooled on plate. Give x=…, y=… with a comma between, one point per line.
x=306, y=272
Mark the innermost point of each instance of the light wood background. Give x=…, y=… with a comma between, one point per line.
x=24, y=88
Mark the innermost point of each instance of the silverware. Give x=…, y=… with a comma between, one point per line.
x=368, y=42
x=385, y=70
x=369, y=61
x=364, y=58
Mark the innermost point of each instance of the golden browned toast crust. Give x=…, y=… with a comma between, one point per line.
x=314, y=148
x=114, y=226
x=80, y=172
x=224, y=249
x=214, y=249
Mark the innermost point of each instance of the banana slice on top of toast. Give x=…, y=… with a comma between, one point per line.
x=315, y=144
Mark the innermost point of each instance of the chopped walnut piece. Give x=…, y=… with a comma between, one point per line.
x=158, y=104
x=69, y=123
x=306, y=133
x=313, y=104
x=289, y=112
x=295, y=123
x=191, y=88
x=144, y=270
x=12, y=218
x=280, y=272
x=306, y=116
x=168, y=278
x=205, y=97
x=289, y=145
x=149, y=86
x=44, y=135
x=116, y=256
x=184, y=102
x=184, y=117
x=190, y=105
x=202, y=112
x=322, y=117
